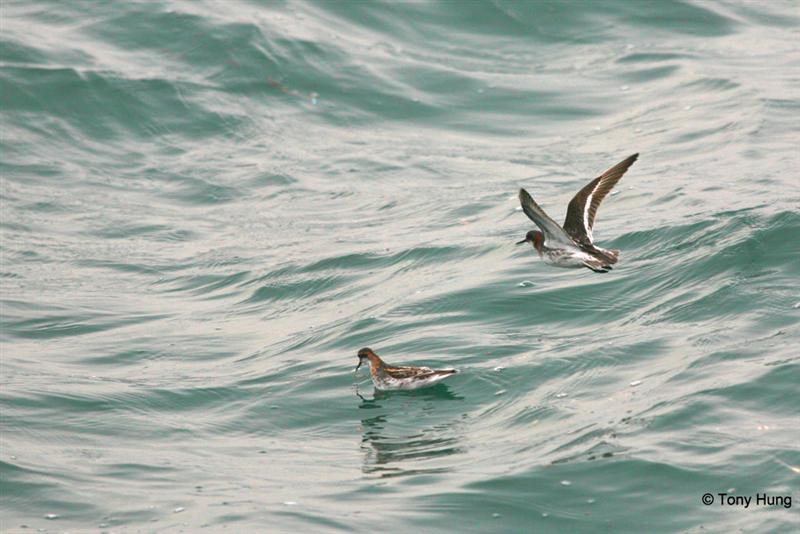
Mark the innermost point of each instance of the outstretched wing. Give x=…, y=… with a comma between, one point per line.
x=551, y=230
x=583, y=207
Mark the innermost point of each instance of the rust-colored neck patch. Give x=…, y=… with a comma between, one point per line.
x=375, y=363
x=538, y=241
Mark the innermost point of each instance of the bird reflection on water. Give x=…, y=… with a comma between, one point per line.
x=410, y=432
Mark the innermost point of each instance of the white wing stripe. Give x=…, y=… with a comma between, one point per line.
x=586, y=206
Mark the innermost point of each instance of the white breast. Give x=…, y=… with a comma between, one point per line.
x=562, y=257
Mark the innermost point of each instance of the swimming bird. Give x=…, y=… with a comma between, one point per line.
x=573, y=245
x=386, y=377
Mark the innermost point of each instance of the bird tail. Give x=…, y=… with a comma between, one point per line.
x=612, y=256
x=609, y=257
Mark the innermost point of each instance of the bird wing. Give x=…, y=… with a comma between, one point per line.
x=551, y=230
x=416, y=372
x=406, y=372
x=583, y=207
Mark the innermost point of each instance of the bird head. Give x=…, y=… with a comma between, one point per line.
x=535, y=238
x=364, y=356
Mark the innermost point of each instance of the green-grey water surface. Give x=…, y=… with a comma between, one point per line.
x=209, y=207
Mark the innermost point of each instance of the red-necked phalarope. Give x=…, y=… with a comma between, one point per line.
x=572, y=245
x=386, y=377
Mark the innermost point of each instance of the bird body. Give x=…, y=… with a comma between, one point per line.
x=573, y=244
x=569, y=257
x=389, y=377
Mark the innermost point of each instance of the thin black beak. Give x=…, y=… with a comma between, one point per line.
x=359, y=365
x=523, y=241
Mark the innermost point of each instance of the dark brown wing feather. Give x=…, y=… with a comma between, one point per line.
x=579, y=222
x=415, y=372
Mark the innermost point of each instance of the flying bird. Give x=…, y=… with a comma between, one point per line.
x=573, y=244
